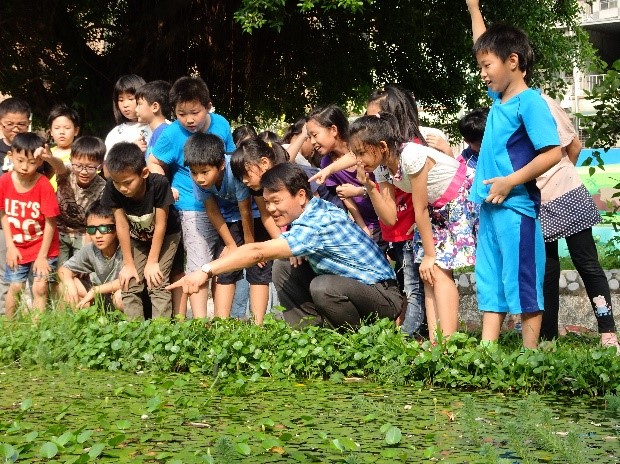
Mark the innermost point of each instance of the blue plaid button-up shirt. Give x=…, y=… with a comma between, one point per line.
x=333, y=244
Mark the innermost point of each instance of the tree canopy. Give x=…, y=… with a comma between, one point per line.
x=263, y=59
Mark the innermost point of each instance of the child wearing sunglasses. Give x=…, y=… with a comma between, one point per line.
x=100, y=259
x=79, y=187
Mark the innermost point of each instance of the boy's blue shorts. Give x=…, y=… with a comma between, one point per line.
x=19, y=274
x=510, y=261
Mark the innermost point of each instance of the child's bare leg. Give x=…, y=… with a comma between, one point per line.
x=259, y=299
x=222, y=300
x=446, y=297
x=530, y=329
x=198, y=302
x=491, y=325
x=12, y=297
x=39, y=294
x=179, y=299
x=431, y=312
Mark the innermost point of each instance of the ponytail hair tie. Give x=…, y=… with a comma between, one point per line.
x=269, y=143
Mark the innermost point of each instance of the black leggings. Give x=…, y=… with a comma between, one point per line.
x=583, y=253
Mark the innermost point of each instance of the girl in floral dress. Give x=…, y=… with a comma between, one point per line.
x=444, y=238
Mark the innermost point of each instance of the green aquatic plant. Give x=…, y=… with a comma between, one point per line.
x=235, y=354
x=613, y=403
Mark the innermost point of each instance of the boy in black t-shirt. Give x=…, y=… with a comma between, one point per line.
x=148, y=229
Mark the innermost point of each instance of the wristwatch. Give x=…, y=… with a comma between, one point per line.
x=206, y=268
x=365, y=190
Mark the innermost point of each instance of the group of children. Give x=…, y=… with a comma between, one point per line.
x=179, y=194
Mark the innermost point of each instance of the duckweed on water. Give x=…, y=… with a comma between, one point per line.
x=79, y=416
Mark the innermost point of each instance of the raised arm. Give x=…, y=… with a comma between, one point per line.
x=296, y=144
x=477, y=21
x=46, y=155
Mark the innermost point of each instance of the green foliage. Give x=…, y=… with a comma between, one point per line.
x=232, y=352
x=266, y=58
x=603, y=127
x=603, y=131
x=613, y=403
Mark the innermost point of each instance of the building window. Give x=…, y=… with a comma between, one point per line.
x=608, y=4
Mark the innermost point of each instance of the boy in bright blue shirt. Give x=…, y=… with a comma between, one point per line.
x=520, y=143
x=234, y=215
x=153, y=108
x=191, y=101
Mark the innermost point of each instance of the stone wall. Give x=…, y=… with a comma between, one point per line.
x=575, y=308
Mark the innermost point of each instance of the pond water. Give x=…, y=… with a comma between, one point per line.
x=69, y=416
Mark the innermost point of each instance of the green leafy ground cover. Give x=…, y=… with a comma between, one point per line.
x=78, y=416
x=229, y=351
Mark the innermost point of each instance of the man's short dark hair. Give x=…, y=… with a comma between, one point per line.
x=90, y=147
x=286, y=176
x=471, y=126
x=125, y=157
x=100, y=211
x=503, y=40
x=156, y=92
x=63, y=110
x=27, y=142
x=14, y=105
x=187, y=89
x=204, y=150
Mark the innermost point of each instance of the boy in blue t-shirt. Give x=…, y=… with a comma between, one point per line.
x=153, y=108
x=520, y=143
x=234, y=215
x=191, y=101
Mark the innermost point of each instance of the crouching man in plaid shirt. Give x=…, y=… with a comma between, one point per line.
x=329, y=272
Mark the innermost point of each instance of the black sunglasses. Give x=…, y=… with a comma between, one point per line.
x=103, y=228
